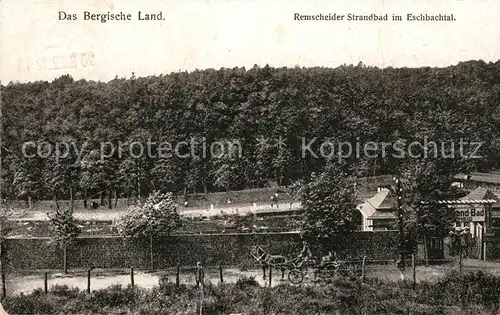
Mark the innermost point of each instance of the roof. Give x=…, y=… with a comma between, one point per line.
x=490, y=178
x=379, y=198
x=390, y=202
x=370, y=205
x=381, y=205
x=477, y=194
x=383, y=215
x=480, y=195
x=464, y=202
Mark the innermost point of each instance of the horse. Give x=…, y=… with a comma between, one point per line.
x=267, y=260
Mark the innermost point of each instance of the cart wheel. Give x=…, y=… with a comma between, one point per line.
x=295, y=276
x=303, y=269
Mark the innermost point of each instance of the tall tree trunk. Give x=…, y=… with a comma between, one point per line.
x=151, y=251
x=426, y=254
x=138, y=184
x=30, y=206
x=1, y=254
x=101, y=195
x=65, y=258
x=85, y=199
x=116, y=197
x=109, y=199
x=71, y=200
x=55, y=202
x=205, y=190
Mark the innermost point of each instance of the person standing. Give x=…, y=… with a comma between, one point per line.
x=200, y=275
x=306, y=253
x=274, y=200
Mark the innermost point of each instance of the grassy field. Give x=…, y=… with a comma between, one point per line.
x=469, y=293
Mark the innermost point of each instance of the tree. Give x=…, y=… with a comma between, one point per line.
x=6, y=227
x=92, y=176
x=64, y=231
x=329, y=203
x=157, y=218
x=350, y=104
x=226, y=172
x=423, y=184
x=26, y=179
x=295, y=190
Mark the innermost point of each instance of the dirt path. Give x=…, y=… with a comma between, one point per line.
x=189, y=212
x=26, y=284
x=100, y=279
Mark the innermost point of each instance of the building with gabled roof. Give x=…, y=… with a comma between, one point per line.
x=474, y=180
x=378, y=211
x=477, y=213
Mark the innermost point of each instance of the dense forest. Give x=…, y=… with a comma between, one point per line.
x=353, y=104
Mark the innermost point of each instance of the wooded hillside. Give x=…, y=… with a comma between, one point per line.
x=352, y=104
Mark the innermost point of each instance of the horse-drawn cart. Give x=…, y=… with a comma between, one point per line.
x=300, y=266
x=280, y=262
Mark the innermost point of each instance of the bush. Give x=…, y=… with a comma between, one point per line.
x=168, y=288
x=455, y=294
x=63, y=290
x=115, y=296
x=33, y=304
x=244, y=282
x=462, y=290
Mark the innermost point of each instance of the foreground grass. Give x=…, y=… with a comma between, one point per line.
x=456, y=294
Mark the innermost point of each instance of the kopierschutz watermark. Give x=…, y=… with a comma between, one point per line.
x=401, y=149
x=232, y=149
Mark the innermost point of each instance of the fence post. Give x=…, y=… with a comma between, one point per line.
x=4, y=290
x=426, y=253
x=151, y=252
x=363, y=270
x=220, y=273
x=177, y=275
x=88, y=281
x=414, y=270
x=132, y=276
x=45, y=283
x=460, y=261
x=270, y=275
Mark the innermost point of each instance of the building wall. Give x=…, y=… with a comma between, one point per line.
x=234, y=250
x=367, y=224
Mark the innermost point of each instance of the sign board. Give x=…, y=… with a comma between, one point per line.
x=470, y=215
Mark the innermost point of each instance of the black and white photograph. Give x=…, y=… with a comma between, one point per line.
x=249, y=157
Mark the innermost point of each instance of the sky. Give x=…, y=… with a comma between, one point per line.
x=196, y=34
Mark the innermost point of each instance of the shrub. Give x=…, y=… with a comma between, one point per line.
x=244, y=282
x=462, y=290
x=115, y=296
x=64, y=290
x=33, y=304
x=477, y=293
